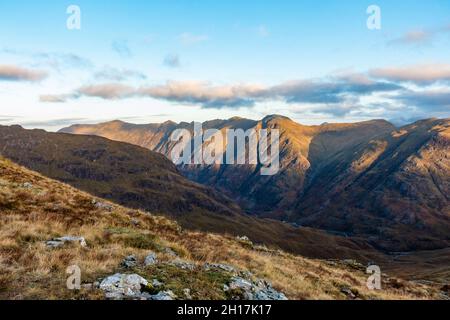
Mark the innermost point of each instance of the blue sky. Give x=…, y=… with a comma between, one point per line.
x=150, y=61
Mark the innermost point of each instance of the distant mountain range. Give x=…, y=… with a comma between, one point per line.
x=369, y=179
x=138, y=178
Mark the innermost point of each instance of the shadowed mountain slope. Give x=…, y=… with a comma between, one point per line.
x=395, y=188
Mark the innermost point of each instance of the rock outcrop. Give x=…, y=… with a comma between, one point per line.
x=246, y=289
x=133, y=287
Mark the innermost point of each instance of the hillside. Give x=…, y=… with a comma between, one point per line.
x=142, y=179
x=394, y=189
x=365, y=179
x=242, y=182
x=120, y=171
x=178, y=263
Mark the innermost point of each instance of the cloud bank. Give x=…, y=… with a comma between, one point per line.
x=235, y=96
x=390, y=92
x=15, y=73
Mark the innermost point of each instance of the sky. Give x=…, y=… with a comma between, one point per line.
x=197, y=60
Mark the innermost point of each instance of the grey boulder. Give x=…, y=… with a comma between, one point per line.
x=151, y=259
x=59, y=242
x=123, y=286
x=129, y=262
x=245, y=289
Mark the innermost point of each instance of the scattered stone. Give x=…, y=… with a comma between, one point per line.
x=150, y=260
x=244, y=240
x=219, y=266
x=182, y=264
x=59, y=242
x=157, y=284
x=444, y=296
x=422, y=282
x=354, y=264
x=295, y=225
x=348, y=292
x=269, y=294
x=87, y=286
x=445, y=292
x=27, y=185
x=331, y=263
x=163, y=295
x=245, y=289
x=129, y=262
x=123, y=286
x=262, y=248
x=246, y=274
x=170, y=252
x=135, y=222
x=102, y=205
x=187, y=294
x=240, y=283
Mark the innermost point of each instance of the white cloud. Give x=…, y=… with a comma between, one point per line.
x=420, y=36
x=419, y=74
x=113, y=74
x=53, y=98
x=106, y=91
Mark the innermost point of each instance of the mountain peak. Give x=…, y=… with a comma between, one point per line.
x=114, y=122
x=236, y=118
x=274, y=117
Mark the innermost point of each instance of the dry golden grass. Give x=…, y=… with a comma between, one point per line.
x=30, y=215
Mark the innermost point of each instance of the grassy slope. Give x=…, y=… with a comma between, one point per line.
x=31, y=215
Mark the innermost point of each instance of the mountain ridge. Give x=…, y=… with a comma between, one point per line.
x=328, y=176
x=130, y=175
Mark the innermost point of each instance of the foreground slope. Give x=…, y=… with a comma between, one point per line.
x=142, y=179
x=34, y=209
